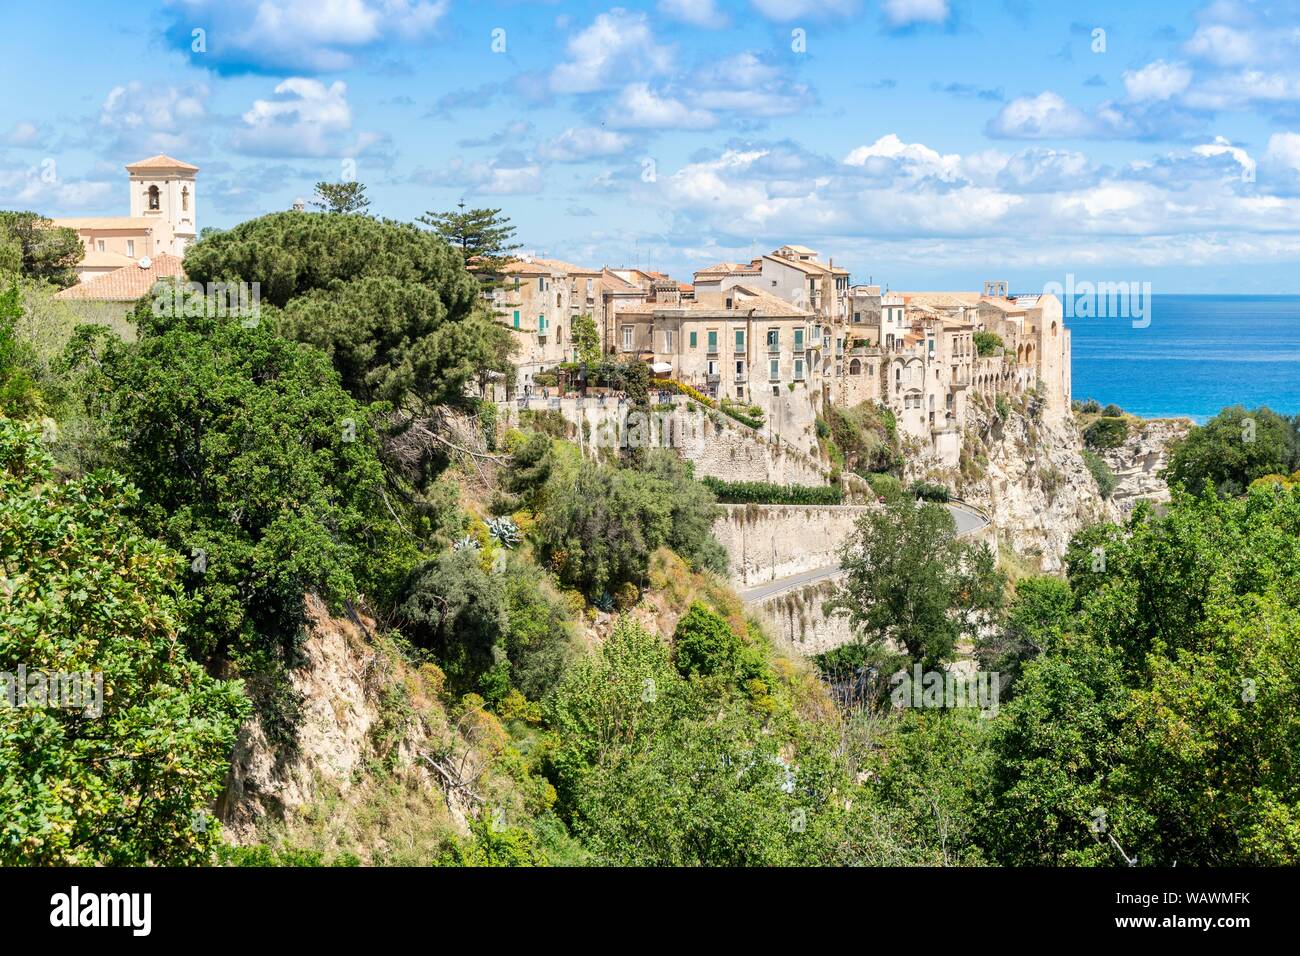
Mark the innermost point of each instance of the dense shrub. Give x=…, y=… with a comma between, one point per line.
x=987, y=343
x=765, y=493
x=929, y=491
x=1233, y=449
x=1101, y=473
x=1106, y=433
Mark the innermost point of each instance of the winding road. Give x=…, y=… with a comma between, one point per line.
x=967, y=520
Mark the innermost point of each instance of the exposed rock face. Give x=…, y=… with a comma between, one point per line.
x=1138, y=461
x=341, y=681
x=1029, y=476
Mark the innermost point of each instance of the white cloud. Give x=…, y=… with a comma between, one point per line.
x=902, y=13
x=1157, y=81
x=298, y=35
x=579, y=144
x=304, y=117
x=916, y=159
x=1222, y=45
x=485, y=178
x=40, y=187
x=700, y=13
x=639, y=107
x=23, y=133
x=785, y=10
x=1044, y=116
x=1224, y=147
x=136, y=118
x=617, y=45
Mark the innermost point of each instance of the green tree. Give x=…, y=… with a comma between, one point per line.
x=457, y=610
x=396, y=341
x=19, y=395
x=1233, y=449
x=987, y=343
x=33, y=246
x=1106, y=433
x=346, y=197
x=704, y=645
x=586, y=339
x=1041, y=611
x=126, y=781
x=482, y=236
x=253, y=462
x=909, y=579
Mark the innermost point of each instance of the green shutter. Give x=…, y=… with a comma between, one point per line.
x=541, y=323
x=740, y=340
x=516, y=318
x=693, y=334
x=713, y=341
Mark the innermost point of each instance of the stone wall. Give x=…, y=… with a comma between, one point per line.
x=767, y=542
x=799, y=616
x=718, y=446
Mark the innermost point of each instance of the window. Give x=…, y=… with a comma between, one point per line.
x=740, y=371
x=101, y=245
x=798, y=370
x=798, y=340
x=740, y=340
x=130, y=247
x=557, y=299
x=541, y=325
x=627, y=338
x=559, y=335
x=154, y=198
x=516, y=318
x=668, y=340
x=541, y=283
x=713, y=367
x=694, y=336
x=774, y=340
x=774, y=370
x=185, y=199
x=713, y=342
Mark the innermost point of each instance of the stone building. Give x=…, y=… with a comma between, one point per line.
x=163, y=219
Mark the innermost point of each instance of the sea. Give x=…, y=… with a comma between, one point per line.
x=1195, y=356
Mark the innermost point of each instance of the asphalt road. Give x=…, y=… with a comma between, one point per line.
x=967, y=522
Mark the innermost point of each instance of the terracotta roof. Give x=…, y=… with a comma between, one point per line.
x=729, y=268
x=161, y=161
x=127, y=283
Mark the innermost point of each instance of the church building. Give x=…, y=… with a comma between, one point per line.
x=162, y=221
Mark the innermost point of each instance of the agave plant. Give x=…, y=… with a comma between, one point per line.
x=505, y=531
x=469, y=541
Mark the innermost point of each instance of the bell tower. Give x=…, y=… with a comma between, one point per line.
x=163, y=191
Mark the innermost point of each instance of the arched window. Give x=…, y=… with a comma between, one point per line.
x=185, y=199
x=1053, y=330
x=153, y=197
x=855, y=367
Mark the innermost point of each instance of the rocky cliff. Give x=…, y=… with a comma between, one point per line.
x=1028, y=474
x=1138, y=461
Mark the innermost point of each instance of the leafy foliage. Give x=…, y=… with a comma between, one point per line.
x=252, y=461
x=911, y=580
x=766, y=493
x=33, y=247
x=85, y=592
x=343, y=197
x=1233, y=449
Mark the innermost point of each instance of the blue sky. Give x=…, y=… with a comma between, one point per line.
x=922, y=143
